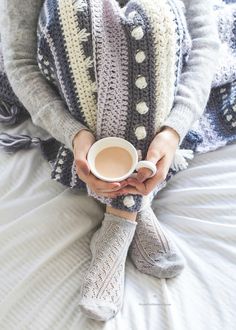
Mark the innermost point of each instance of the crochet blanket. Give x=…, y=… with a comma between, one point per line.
x=117, y=68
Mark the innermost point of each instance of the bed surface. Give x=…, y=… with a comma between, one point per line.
x=45, y=231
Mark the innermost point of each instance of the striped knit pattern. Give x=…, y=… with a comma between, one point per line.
x=117, y=69
x=64, y=52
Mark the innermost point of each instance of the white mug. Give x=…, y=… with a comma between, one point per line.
x=122, y=143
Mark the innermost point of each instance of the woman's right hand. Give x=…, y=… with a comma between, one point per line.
x=82, y=142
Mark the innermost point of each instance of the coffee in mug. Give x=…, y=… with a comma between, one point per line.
x=113, y=162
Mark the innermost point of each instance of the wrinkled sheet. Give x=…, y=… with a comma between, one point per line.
x=45, y=230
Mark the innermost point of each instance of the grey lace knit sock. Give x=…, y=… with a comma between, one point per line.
x=151, y=251
x=101, y=293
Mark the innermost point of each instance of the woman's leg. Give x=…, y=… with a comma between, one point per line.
x=101, y=294
x=152, y=251
x=121, y=213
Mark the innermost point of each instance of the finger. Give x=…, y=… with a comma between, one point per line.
x=112, y=194
x=150, y=184
x=102, y=186
x=139, y=187
x=143, y=174
x=153, y=155
x=160, y=176
x=108, y=186
x=134, y=182
x=115, y=189
x=132, y=190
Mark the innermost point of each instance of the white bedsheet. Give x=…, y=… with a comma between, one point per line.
x=45, y=231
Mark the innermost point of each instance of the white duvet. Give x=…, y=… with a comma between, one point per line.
x=45, y=231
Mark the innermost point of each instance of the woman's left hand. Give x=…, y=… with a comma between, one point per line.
x=161, y=152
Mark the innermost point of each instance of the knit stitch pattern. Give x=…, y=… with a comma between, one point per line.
x=103, y=285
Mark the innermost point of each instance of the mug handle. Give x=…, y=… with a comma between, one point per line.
x=147, y=164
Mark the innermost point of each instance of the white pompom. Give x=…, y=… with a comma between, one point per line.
x=140, y=132
x=142, y=108
x=137, y=33
x=128, y=201
x=140, y=56
x=141, y=82
x=179, y=163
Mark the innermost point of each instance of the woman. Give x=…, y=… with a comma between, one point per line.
x=18, y=28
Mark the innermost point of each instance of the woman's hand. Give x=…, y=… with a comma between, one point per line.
x=81, y=144
x=161, y=152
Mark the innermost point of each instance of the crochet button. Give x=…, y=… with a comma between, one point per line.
x=140, y=132
x=142, y=108
x=137, y=33
x=141, y=82
x=128, y=201
x=140, y=56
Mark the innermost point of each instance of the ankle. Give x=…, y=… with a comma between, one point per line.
x=122, y=214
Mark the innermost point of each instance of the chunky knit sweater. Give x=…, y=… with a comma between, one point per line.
x=48, y=110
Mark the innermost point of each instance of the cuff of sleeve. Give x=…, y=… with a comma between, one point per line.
x=181, y=120
x=71, y=129
x=58, y=122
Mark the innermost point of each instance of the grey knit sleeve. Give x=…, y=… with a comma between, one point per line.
x=195, y=81
x=18, y=26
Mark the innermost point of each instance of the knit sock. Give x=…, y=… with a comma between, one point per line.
x=151, y=251
x=101, y=293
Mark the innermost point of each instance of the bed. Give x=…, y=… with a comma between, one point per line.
x=45, y=231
